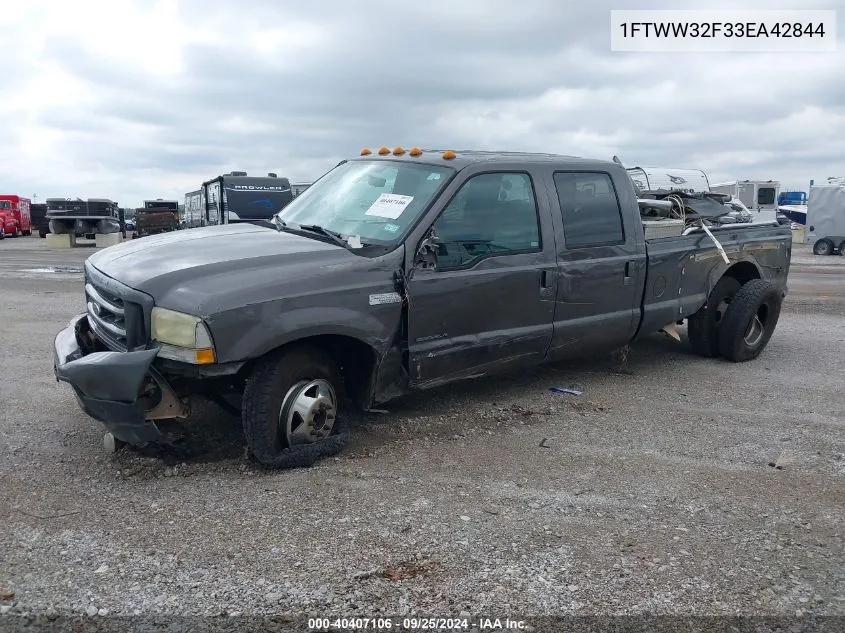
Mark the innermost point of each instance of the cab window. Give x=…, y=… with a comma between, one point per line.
x=590, y=209
x=492, y=214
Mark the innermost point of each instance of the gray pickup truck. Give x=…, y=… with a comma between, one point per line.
x=398, y=271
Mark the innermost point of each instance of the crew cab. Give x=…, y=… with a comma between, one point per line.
x=399, y=271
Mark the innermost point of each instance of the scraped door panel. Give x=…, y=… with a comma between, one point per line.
x=601, y=268
x=489, y=303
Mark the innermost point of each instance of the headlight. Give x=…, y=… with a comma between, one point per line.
x=182, y=337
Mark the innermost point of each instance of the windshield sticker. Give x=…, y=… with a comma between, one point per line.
x=391, y=228
x=433, y=177
x=389, y=205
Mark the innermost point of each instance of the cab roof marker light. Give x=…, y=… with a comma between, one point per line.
x=383, y=151
x=366, y=151
x=415, y=152
x=398, y=151
x=449, y=155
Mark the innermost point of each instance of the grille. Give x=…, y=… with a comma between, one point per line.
x=107, y=316
x=118, y=315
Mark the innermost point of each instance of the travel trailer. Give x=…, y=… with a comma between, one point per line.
x=760, y=196
x=668, y=179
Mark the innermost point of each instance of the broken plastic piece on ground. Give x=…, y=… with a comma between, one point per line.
x=571, y=392
x=376, y=411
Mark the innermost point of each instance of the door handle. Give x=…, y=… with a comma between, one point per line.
x=627, y=269
x=544, y=278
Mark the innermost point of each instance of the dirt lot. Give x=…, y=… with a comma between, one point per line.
x=672, y=485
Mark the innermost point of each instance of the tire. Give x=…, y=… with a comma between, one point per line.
x=42, y=233
x=842, y=247
x=703, y=326
x=275, y=384
x=28, y=233
x=823, y=247
x=750, y=320
x=18, y=231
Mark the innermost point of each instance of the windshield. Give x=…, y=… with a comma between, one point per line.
x=373, y=200
x=5, y=204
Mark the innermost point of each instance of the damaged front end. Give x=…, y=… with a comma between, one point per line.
x=121, y=389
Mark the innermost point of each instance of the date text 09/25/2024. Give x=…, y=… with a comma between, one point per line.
x=415, y=624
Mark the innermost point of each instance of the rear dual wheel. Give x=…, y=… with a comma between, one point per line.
x=737, y=321
x=750, y=321
x=703, y=327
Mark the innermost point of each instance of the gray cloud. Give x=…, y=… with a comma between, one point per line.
x=263, y=87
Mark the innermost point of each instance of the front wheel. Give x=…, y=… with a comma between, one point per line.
x=842, y=247
x=750, y=321
x=290, y=409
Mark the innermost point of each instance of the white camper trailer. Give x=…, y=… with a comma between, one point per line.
x=668, y=179
x=826, y=219
x=760, y=196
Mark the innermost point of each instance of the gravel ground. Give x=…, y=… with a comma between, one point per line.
x=673, y=485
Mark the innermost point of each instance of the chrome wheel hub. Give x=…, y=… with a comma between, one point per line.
x=754, y=332
x=308, y=412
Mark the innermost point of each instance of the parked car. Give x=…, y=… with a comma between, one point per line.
x=401, y=271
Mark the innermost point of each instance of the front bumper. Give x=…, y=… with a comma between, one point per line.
x=107, y=384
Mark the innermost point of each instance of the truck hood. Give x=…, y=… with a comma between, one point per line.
x=212, y=260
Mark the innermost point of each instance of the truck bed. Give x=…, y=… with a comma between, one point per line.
x=682, y=270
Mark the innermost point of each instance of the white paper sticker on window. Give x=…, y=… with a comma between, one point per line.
x=389, y=205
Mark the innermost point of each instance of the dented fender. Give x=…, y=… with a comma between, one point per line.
x=253, y=331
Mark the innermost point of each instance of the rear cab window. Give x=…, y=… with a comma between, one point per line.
x=590, y=208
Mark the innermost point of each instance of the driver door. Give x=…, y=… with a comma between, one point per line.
x=488, y=302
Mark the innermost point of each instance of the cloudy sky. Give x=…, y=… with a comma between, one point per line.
x=133, y=99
